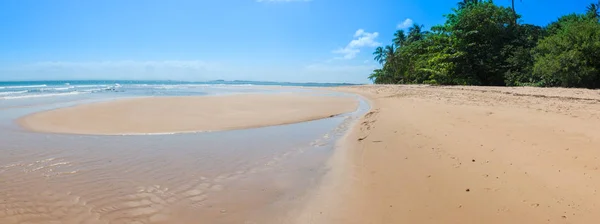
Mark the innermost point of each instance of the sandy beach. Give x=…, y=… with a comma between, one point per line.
x=466, y=155
x=422, y=154
x=153, y=115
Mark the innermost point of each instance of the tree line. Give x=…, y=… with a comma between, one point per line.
x=481, y=43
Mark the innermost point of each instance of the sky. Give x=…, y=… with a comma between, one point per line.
x=201, y=40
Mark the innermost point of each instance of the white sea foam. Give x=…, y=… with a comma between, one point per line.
x=93, y=90
x=174, y=86
x=60, y=88
x=22, y=87
x=41, y=95
x=12, y=93
x=234, y=85
x=88, y=86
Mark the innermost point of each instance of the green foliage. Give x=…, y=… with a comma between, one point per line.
x=592, y=11
x=571, y=56
x=481, y=44
x=519, y=59
x=482, y=31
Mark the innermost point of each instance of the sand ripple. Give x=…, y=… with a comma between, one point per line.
x=93, y=179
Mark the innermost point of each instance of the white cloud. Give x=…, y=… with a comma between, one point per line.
x=348, y=53
x=405, y=24
x=283, y=0
x=361, y=39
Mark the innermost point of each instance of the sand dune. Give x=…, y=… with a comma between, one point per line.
x=187, y=114
x=466, y=155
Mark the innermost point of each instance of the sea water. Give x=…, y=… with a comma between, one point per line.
x=243, y=176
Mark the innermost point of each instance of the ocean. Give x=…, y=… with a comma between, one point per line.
x=61, y=88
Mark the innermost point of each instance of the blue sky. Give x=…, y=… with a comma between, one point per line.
x=197, y=40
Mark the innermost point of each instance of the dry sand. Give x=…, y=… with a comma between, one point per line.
x=466, y=155
x=187, y=114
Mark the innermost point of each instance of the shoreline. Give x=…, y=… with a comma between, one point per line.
x=256, y=175
x=426, y=154
x=186, y=114
x=327, y=204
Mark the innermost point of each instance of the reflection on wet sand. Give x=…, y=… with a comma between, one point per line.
x=245, y=176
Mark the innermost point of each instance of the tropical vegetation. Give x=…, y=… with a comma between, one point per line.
x=482, y=43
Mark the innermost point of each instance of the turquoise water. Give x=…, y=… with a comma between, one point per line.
x=62, y=88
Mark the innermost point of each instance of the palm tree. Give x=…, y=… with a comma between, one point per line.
x=399, y=38
x=415, y=33
x=390, y=52
x=390, y=57
x=465, y=3
x=379, y=55
x=389, y=66
x=515, y=11
x=377, y=76
x=592, y=10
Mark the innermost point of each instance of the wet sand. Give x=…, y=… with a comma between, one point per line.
x=187, y=114
x=250, y=176
x=465, y=155
x=255, y=175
